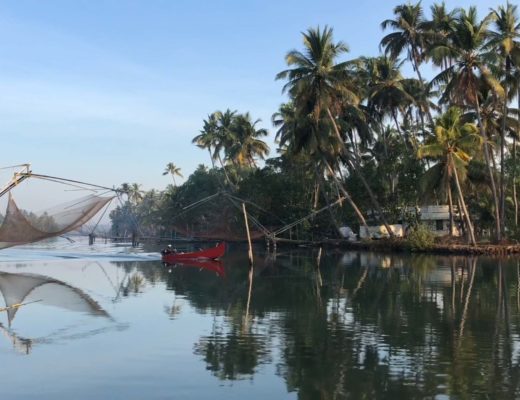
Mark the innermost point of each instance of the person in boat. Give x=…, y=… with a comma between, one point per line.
x=169, y=250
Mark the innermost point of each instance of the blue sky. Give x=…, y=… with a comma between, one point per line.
x=110, y=91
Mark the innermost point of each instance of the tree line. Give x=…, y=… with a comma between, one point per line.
x=359, y=130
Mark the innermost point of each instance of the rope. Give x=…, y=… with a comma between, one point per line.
x=264, y=230
x=312, y=214
x=62, y=180
x=134, y=220
x=102, y=215
x=254, y=205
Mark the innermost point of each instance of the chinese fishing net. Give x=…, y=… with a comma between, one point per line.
x=21, y=225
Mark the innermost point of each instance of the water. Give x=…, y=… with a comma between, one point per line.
x=112, y=322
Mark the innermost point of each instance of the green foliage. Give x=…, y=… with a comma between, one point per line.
x=420, y=238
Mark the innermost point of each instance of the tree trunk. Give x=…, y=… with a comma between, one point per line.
x=316, y=196
x=490, y=170
x=211, y=158
x=327, y=202
x=450, y=205
x=360, y=216
x=394, y=116
x=514, y=159
x=225, y=171
x=471, y=233
x=502, y=160
x=515, y=200
x=354, y=167
x=416, y=67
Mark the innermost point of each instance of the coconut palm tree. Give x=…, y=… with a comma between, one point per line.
x=386, y=93
x=298, y=136
x=135, y=193
x=505, y=41
x=173, y=170
x=246, y=145
x=319, y=88
x=462, y=80
x=207, y=136
x=440, y=29
x=409, y=34
x=216, y=137
x=454, y=144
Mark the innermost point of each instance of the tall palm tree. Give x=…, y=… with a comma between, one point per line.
x=246, y=145
x=411, y=35
x=135, y=193
x=207, y=136
x=461, y=81
x=297, y=135
x=505, y=40
x=408, y=35
x=440, y=29
x=453, y=145
x=216, y=137
x=386, y=92
x=319, y=87
x=172, y=170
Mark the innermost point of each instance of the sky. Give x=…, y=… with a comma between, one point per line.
x=110, y=91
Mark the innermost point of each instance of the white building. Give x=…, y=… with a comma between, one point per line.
x=436, y=218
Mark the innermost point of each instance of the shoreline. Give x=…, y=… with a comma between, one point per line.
x=401, y=246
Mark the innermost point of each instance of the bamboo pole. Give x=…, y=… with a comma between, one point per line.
x=250, y=252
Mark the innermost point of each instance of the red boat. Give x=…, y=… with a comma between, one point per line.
x=212, y=253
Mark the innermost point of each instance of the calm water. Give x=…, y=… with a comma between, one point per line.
x=112, y=322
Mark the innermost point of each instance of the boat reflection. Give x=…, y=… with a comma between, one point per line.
x=23, y=292
x=209, y=265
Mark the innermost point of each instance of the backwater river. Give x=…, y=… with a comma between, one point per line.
x=111, y=322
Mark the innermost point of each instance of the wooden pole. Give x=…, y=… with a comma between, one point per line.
x=250, y=252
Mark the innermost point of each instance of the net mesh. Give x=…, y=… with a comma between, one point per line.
x=217, y=220
x=22, y=227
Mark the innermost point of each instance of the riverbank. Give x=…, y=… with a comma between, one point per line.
x=401, y=245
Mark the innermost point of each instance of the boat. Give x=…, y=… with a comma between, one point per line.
x=212, y=253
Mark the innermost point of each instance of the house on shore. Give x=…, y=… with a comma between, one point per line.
x=435, y=218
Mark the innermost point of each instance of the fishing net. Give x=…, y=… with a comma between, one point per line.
x=21, y=227
x=218, y=219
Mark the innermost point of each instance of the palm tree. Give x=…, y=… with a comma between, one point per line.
x=216, y=137
x=135, y=193
x=298, y=136
x=386, y=93
x=207, y=136
x=173, y=170
x=453, y=145
x=461, y=81
x=411, y=34
x=408, y=35
x=246, y=145
x=504, y=40
x=319, y=88
x=440, y=29
x=124, y=188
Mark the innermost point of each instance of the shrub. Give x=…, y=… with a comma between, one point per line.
x=420, y=238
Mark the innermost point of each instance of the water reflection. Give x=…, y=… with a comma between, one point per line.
x=24, y=290
x=393, y=325
x=209, y=265
x=329, y=325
